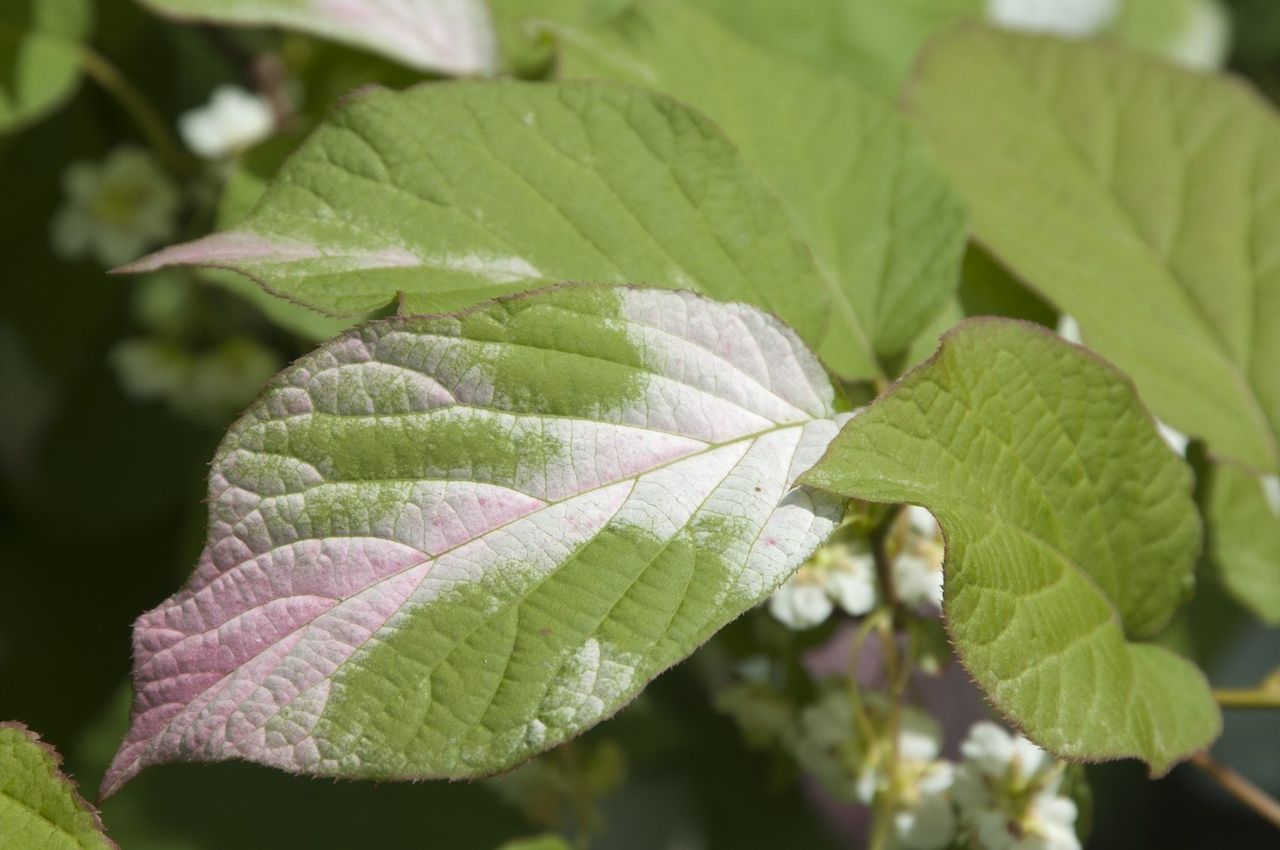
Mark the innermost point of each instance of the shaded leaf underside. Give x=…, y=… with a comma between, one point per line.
x=1144, y=200
x=858, y=183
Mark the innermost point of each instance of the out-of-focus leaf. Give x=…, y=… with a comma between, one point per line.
x=1143, y=199
x=1244, y=538
x=857, y=182
x=449, y=36
x=873, y=41
x=41, y=51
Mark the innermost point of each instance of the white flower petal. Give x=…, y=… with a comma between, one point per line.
x=1063, y=17
x=1205, y=37
x=920, y=737
x=1069, y=329
x=855, y=592
x=929, y=826
x=916, y=580
x=921, y=521
x=1175, y=438
x=1029, y=757
x=989, y=748
x=233, y=120
x=800, y=604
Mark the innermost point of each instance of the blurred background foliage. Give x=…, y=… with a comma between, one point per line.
x=114, y=393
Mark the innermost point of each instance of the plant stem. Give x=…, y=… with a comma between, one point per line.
x=1247, y=698
x=1239, y=787
x=153, y=127
x=886, y=802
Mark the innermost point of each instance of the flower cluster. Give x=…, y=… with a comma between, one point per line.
x=115, y=209
x=917, y=550
x=840, y=573
x=1005, y=793
x=1007, y=790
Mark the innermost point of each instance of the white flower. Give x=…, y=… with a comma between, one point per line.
x=1069, y=329
x=928, y=821
x=1204, y=38
x=233, y=120
x=917, y=566
x=826, y=744
x=919, y=736
x=1007, y=793
x=1271, y=491
x=801, y=603
x=1175, y=438
x=926, y=818
x=115, y=209
x=837, y=574
x=1063, y=17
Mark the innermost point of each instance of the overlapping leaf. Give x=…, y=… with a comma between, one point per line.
x=450, y=36
x=41, y=52
x=1143, y=199
x=455, y=193
x=39, y=807
x=1243, y=513
x=872, y=41
x=859, y=184
x=440, y=545
x=1071, y=535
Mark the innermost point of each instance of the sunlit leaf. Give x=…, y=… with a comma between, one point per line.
x=450, y=194
x=440, y=545
x=40, y=809
x=1071, y=535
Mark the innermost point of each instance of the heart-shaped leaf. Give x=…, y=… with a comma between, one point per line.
x=440, y=545
x=450, y=194
x=1144, y=200
x=41, y=53
x=859, y=184
x=39, y=806
x=450, y=36
x=1071, y=535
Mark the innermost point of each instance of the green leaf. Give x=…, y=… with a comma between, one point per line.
x=1142, y=199
x=40, y=808
x=458, y=192
x=859, y=184
x=1071, y=535
x=449, y=36
x=244, y=187
x=872, y=41
x=1244, y=538
x=441, y=545
x=41, y=44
